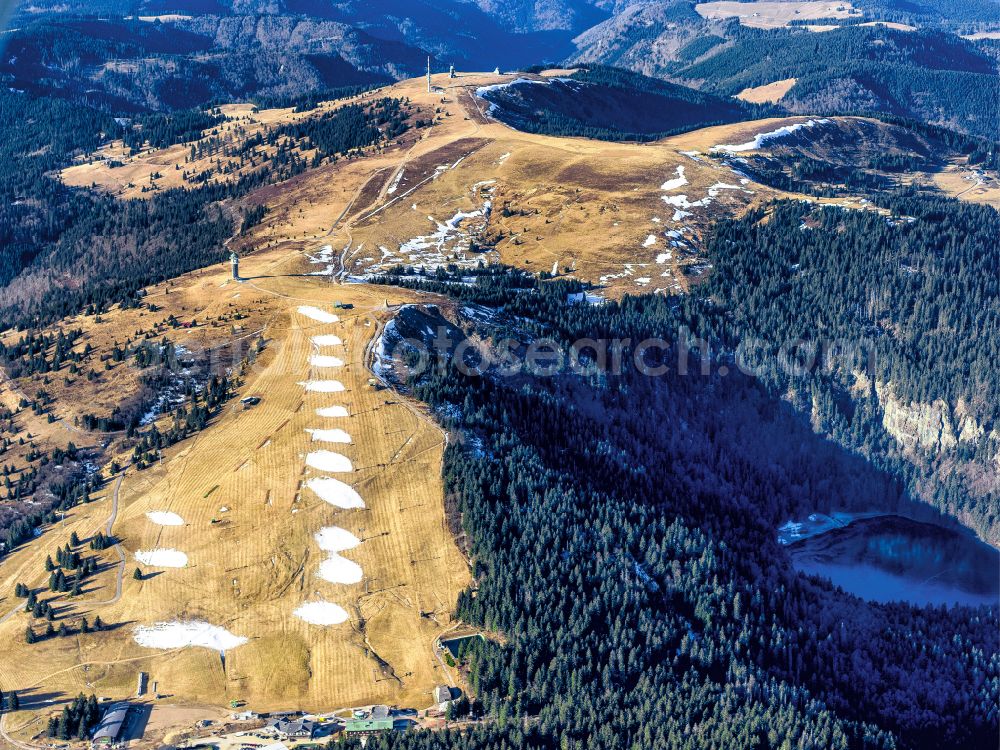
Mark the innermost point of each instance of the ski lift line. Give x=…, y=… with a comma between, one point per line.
x=419, y=185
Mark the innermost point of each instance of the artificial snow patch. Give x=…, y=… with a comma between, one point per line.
x=323, y=386
x=316, y=314
x=321, y=613
x=329, y=461
x=165, y=518
x=762, y=138
x=335, y=539
x=329, y=436
x=678, y=182
x=333, y=411
x=162, y=558
x=337, y=569
x=171, y=635
x=335, y=492
x=323, y=360
x=327, y=339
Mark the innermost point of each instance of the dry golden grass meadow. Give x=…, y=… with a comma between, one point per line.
x=598, y=210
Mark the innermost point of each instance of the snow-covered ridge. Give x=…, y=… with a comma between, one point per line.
x=482, y=91
x=761, y=138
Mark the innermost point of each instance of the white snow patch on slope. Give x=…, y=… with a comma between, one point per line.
x=482, y=90
x=714, y=190
x=323, y=386
x=323, y=360
x=162, y=558
x=333, y=411
x=327, y=339
x=170, y=635
x=321, y=613
x=678, y=182
x=329, y=461
x=165, y=518
x=330, y=436
x=324, y=256
x=316, y=314
x=681, y=201
x=761, y=138
x=335, y=539
x=649, y=241
x=444, y=233
x=335, y=492
x=396, y=181
x=337, y=569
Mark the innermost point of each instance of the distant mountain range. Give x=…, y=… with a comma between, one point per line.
x=170, y=54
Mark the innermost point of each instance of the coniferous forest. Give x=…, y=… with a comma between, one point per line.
x=622, y=535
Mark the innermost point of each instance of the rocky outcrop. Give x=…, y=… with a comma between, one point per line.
x=934, y=427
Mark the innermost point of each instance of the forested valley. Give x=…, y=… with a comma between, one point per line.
x=622, y=532
x=847, y=310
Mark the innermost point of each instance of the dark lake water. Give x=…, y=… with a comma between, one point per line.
x=892, y=558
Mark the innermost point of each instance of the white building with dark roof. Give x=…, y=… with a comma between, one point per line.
x=109, y=728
